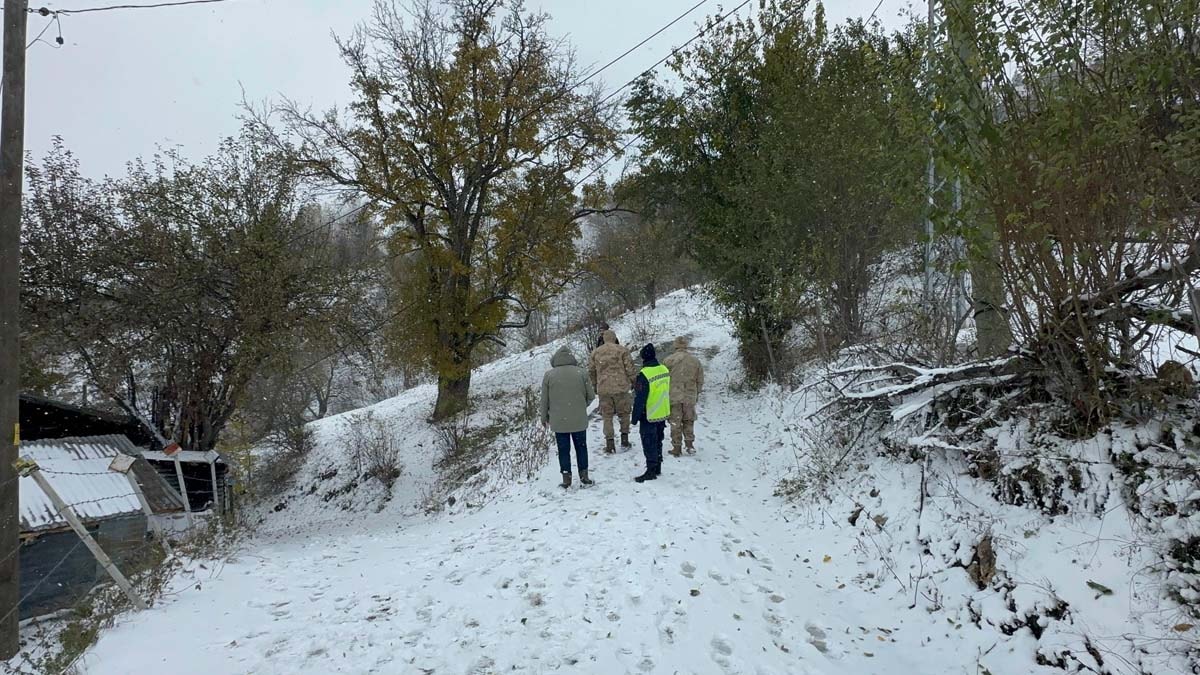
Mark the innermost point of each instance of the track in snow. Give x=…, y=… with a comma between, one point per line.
x=696, y=572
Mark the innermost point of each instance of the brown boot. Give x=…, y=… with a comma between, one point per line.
x=583, y=478
x=625, y=440
x=676, y=452
x=566, y=480
x=609, y=446
x=691, y=449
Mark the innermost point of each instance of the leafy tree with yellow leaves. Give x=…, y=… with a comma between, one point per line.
x=467, y=127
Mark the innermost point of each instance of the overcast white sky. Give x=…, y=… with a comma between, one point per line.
x=128, y=81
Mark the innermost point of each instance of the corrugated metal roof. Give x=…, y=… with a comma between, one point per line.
x=161, y=496
x=78, y=470
x=185, y=456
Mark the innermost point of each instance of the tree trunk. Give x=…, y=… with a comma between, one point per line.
x=993, y=334
x=761, y=338
x=453, y=396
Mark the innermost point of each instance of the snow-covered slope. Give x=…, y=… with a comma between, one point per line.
x=705, y=570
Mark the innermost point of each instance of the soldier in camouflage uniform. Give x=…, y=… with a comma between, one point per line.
x=612, y=371
x=687, y=381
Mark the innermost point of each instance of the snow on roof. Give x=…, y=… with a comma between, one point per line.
x=185, y=456
x=77, y=468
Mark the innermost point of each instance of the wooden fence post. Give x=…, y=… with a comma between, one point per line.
x=29, y=468
x=187, y=505
x=212, y=467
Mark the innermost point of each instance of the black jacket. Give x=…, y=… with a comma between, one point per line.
x=641, y=392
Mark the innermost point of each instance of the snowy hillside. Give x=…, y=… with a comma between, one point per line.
x=706, y=570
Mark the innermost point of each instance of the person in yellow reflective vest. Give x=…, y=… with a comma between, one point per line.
x=651, y=409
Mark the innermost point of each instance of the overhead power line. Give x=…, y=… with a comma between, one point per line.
x=732, y=61
x=108, y=8
x=639, y=45
x=584, y=80
x=54, y=21
x=719, y=19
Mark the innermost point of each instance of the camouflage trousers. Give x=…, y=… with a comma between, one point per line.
x=683, y=424
x=616, y=404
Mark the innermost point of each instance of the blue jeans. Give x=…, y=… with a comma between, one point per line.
x=564, y=450
x=652, y=434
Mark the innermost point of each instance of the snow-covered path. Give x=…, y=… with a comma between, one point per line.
x=702, y=571
x=695, y=573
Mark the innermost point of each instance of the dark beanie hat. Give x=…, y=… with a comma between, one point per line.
x=648, y=353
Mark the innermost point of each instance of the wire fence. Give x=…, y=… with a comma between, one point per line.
x=147, y=564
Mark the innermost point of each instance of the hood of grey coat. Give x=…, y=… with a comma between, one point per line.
x=563, y=357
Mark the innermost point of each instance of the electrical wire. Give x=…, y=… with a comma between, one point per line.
x=41, y=581
x=732, y=61
x=109, y=8
x=558, y=96
x=718, y=20
x=640, y=44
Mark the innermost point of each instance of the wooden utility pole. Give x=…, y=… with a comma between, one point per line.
x=12, y=155
x=73, y=520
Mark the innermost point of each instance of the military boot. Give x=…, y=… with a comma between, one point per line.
x=583, y=478
x=676, y=452
x=625, y=440
x=566, y=479
x=650, y=474
x=610, y=446
x=691, y=449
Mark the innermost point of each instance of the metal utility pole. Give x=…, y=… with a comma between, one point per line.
x=931, y=171
x=12, y=155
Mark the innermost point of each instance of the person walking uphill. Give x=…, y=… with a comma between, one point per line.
x=687, y=380
x=566, y=393
x=651, y=408
x=612, y=371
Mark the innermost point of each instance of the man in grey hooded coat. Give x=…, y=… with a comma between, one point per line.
x=566, y=394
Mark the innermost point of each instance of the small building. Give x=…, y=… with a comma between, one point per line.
x=43, y=418
x=205, y=474
x=56, y=568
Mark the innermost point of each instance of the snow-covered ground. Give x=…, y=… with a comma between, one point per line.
x=705, y=570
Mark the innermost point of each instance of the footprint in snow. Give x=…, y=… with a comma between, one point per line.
x=817, y=637
x=688, y=570
x=748, y=591
x=635, y=595
x=716, y=576
x=722, y=649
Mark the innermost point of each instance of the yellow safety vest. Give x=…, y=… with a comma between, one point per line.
x=658, y=400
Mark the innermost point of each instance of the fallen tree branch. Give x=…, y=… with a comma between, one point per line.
x=1145, y=280
x=1152, y=314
